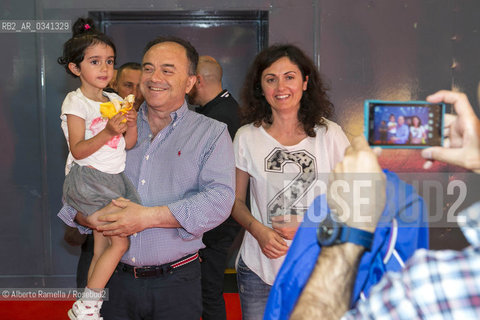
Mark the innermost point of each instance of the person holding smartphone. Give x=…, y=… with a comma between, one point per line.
x=447, y=276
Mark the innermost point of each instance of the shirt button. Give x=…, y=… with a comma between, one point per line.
x=135, y=234
x=133, y=259
x=149, y=135
x=147, y=156
x=143, y=182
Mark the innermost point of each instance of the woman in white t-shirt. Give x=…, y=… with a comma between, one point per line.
x=286, y=151
x=417, y=131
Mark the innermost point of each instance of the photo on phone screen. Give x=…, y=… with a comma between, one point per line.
x=404, y=124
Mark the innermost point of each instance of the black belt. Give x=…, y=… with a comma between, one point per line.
x=156, y=271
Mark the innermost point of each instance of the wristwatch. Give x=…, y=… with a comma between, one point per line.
x=331, y=232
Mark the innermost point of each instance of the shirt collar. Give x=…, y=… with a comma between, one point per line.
x=175, y=115
x=180, y=112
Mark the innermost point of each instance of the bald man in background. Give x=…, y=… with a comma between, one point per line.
x=215, y=102
x=212, y=100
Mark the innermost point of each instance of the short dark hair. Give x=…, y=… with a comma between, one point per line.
x=315, y=105
x=192, y=54
x=84, y=35
x=128, y=65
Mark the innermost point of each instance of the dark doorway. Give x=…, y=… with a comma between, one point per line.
x=233, y=38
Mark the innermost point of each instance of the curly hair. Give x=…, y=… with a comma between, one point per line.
x=315, y=105
x=85, y=34
x=419, y=120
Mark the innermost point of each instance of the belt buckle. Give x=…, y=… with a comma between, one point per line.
x=135, y=272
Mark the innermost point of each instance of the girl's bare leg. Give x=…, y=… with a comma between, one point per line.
x=106, y=254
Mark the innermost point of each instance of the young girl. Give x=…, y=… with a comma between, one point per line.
x=97, y=155
x=392, y=128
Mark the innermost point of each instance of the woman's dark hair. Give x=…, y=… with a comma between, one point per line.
x=315, y=105
x=85, y=35
x=419, y=120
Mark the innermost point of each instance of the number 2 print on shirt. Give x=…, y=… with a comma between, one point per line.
x=287, y=200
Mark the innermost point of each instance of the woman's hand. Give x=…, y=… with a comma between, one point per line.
x=286, y=226
x=272, y=244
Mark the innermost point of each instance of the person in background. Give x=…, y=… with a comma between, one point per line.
x=217, y=103
x=434, y=284
x=111, y=85
x=212, y=100
x=128, y=82
x=282, y=150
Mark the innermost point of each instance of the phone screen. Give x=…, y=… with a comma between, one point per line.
x=400, y=124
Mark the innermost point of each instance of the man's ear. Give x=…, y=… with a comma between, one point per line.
x=74, y=69
x=199, y=79
x=190, y=83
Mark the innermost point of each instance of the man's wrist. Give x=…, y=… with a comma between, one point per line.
x=350, y=251
x=335, y=266
x=151, y=217
x=160, y=217
x=332, y=232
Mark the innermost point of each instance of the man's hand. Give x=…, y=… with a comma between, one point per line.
x=356, y=192
x=462, y=134
x=128, y=219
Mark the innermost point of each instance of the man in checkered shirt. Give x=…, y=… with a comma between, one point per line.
x=434, y=284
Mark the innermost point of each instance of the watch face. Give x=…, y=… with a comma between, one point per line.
x=327, y=231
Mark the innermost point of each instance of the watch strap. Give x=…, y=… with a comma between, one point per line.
x=361, y=237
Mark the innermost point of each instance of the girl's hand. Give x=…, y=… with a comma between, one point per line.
x=131, y=118
x=115, y=126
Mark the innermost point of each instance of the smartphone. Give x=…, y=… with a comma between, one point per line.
x=404, y=124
